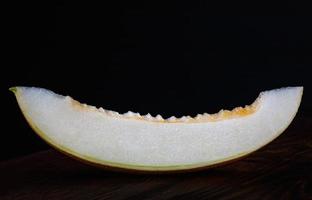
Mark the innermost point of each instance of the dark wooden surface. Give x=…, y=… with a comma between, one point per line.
x=280, y=170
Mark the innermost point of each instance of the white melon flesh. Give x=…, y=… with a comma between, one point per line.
x=135, y=142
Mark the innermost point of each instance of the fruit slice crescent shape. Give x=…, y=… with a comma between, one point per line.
x=131, y=141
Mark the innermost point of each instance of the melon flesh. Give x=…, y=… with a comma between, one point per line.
x=131, y=141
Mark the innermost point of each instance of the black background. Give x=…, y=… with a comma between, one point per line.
x=177, y=58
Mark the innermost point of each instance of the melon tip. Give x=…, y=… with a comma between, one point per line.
x=13, y=89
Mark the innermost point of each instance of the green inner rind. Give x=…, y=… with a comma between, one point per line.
x=13, y=89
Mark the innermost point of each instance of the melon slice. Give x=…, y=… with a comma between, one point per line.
x=144, y=143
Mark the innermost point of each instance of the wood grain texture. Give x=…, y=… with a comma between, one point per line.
x=280, y=170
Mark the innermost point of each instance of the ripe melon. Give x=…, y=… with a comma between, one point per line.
x=131, y=141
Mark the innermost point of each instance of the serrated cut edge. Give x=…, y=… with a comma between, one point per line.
x=205, y=117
